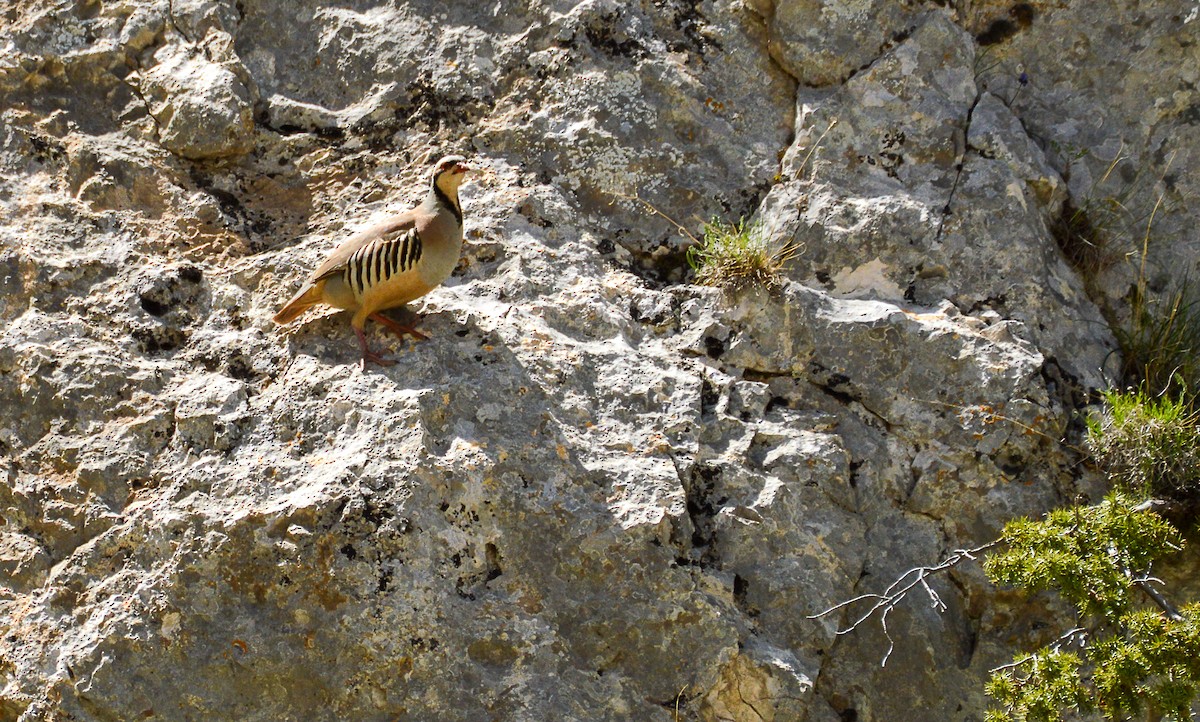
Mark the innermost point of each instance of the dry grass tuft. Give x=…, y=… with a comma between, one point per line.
x=738, y=255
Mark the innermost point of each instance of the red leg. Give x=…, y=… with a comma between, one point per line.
x=398, y=328
x=369, y=355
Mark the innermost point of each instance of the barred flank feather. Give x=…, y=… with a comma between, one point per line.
x=381, y=260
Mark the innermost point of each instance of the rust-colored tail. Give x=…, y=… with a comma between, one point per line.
x=308, y=295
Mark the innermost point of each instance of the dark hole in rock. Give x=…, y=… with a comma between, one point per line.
x=153, y=306
x=159, y=339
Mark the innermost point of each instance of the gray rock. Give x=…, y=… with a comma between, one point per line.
x=762, y=683
x=822, y=44
x=596, y=493
x=905, y=177
x=1121, y=137
x=202, y=108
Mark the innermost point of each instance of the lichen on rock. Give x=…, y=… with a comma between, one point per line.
x=202, y=109
x=598, y=492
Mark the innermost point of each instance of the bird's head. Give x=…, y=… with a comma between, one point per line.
x=449, y=173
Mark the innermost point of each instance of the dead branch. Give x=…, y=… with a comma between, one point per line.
x=906, y=582
x=1063, y=638
x=1158, y=598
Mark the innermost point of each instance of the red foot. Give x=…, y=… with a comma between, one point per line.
x=398, y=328
x=381, y=360
x=368, y=354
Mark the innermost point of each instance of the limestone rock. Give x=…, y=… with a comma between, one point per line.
x=762, y=685
x=905, y=177
x=202, y=108
x=597, y=492
x=823, y=43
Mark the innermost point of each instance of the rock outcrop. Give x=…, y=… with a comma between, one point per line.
x=598, y=492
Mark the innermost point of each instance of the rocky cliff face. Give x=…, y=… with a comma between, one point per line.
x=597, y=493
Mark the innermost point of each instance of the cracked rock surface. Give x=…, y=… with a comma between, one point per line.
x=597, y=492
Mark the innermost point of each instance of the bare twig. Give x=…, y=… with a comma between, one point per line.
x=990, y=416
x=1162, y=602
x=800, y=170
x=1143, y=581
x=659, y=213
x=1063, y=638
x=906, y=582
x=1148, y=505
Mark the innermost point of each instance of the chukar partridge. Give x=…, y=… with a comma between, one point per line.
x=391, y=263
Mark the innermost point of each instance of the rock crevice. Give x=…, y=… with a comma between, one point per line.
x=597, y=492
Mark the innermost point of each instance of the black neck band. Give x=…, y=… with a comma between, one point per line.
x=445, y=200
